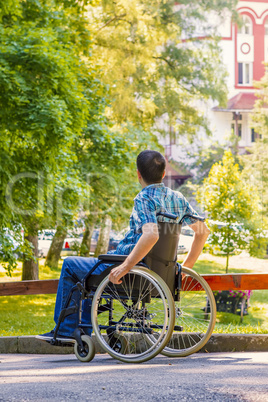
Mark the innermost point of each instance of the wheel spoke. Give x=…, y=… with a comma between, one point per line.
x=135, y=327
x=195, y=325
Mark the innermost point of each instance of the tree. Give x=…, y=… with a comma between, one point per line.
x=256, y=161
x=233, y=206
x=46, y=89
x=154, y=64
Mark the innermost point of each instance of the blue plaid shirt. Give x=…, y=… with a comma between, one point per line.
x=151, y=200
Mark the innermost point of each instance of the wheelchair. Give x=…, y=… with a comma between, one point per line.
x=160, y=306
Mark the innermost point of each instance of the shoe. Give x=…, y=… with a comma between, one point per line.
x=49, y=336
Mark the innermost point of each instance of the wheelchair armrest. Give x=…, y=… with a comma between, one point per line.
x=112, y=257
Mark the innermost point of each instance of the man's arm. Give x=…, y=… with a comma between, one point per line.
x=201, y=234
x=147, y=240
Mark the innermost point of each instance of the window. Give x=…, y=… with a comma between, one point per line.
x=240, y=73
x=253, y=135
x=239, y=129
x=237, y=116
x=266, y=27
x=244, y=73
x=247, y=77
x=246, y=28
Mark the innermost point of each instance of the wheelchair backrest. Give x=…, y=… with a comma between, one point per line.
x=163, y=256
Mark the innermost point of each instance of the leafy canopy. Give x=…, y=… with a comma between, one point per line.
x=152, y=62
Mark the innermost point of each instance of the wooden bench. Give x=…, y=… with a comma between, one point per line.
x=215, y=281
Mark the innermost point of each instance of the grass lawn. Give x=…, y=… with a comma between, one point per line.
x=31, y=315
x=256, y=322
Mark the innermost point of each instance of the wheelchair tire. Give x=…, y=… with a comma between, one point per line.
x=88, y=353
x=141, y=307
x=195, y=316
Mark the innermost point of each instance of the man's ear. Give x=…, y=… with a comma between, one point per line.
x=139, y=175
x=164, y=174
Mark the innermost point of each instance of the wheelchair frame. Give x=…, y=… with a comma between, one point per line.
x=151, y=318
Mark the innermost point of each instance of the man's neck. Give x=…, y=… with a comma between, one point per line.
x=143, y=184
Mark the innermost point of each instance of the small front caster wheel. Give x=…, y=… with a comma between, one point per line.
x=87, y=353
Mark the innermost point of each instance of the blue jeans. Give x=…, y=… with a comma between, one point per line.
x=74, y=269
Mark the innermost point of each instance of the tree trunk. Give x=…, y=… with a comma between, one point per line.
x=53, y=255
x=227, y=263
x=30, y=269
x=86, y=242
x=104, y=236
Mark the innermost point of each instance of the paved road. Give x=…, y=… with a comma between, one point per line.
x=200, y=377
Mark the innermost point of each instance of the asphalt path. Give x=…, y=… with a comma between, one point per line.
x=200, y=377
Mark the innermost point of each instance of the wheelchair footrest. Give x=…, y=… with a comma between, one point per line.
x=61, y=342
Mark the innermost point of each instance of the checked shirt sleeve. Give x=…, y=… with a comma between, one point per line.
x=144, y=211
x=188, y=209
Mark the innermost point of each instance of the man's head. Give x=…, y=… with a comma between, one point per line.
x=151, y=165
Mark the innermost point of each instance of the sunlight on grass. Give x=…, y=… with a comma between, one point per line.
x=26, y=315
x=44, y=272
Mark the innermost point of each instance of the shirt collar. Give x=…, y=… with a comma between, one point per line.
x=153, y=185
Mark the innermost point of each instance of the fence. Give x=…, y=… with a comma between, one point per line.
x=215, y=281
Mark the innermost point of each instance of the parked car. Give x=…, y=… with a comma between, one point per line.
x=44, y=241
x=187, y=231
x=72, y=243
x=182, y=249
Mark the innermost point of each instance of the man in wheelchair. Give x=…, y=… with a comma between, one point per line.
x=153, y=200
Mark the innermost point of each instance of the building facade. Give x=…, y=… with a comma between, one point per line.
x=244, y=51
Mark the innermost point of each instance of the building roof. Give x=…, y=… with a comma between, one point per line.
x=243, y=101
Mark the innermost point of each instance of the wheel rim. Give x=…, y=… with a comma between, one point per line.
x=84, y=352
x=195, y=316
x=133, y=314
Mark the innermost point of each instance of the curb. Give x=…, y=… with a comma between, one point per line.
x=217, y=343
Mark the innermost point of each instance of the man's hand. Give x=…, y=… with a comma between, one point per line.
x=117, y=273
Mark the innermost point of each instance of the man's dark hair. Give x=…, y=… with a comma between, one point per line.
x=151, y=165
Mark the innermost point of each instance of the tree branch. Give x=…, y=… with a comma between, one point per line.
x=116, y=18
x=168, y=62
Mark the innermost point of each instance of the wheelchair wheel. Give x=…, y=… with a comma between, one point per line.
x=88, y=352
x=118, y=343
x=195, y=316
x=138, y=317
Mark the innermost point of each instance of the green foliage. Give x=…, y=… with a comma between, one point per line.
x=154, y=65
x=47, y=92
x=12, y=248
x=81, y=84
x=233, y=207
